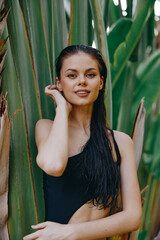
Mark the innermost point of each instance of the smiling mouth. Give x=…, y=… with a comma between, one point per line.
x=82, y=93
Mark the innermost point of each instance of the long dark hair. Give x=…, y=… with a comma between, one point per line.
x=99, y=168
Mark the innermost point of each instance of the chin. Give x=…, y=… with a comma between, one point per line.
x=82, y=101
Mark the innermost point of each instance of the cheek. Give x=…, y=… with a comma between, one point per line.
x=95, y=92
x=96, y=87
x=67, y=90
x=65, y=85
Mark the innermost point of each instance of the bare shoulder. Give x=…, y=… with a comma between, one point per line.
x=124, y=142
x=121, y=136
x=42, y=129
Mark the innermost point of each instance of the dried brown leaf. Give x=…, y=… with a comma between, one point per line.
x=3, y=19
x=5, y=125
x=2, y=58
x=2, y=44
x=1, y=3
x=138, y=131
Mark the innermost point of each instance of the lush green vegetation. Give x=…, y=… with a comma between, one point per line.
x=38, y=30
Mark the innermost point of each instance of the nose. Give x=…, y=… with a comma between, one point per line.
x=82, y=80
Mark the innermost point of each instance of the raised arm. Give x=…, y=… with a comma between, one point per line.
x=52, y=136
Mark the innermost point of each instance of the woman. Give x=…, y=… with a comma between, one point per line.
x=86, y=165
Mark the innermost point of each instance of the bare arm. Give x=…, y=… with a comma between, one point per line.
x=127, y=220
x=130, y=217
x=52, y=137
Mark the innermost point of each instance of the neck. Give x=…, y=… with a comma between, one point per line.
x=80, y=116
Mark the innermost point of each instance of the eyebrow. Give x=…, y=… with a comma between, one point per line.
x=74, y=70
x=71, y=69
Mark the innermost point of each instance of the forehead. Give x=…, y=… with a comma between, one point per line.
x=79, y=60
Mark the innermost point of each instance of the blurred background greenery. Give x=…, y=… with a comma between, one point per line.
x=128, y=34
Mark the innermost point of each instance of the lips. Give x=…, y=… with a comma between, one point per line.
x=82, y=92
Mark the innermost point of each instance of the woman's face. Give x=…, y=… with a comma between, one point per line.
x=80, y=79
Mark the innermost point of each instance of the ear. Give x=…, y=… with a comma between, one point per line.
x=59, y=86
x=101, y=83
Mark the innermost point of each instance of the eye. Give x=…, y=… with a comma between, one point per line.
x=90, y=75
x=72, y=75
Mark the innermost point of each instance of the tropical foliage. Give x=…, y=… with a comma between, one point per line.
x=38, y=30
x=5, y=125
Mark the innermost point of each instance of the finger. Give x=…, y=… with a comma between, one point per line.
x=54, y=87
x=40, y=225
x=51, y=87
x=32, y=236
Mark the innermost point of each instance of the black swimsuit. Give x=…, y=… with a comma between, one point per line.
x=64, y=195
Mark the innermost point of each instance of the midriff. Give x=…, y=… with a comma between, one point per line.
x=88, y=212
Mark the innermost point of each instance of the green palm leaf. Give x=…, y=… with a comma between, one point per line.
x=80, y=23
x=103, y=46
x=147, y=82
x=125, y=49
x=21, y=172
x=151, y=155
x=54, y=22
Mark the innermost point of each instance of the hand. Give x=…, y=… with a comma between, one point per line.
x=50, y=230
x=53, y=92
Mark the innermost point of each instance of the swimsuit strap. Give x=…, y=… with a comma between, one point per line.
x=116, y=148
